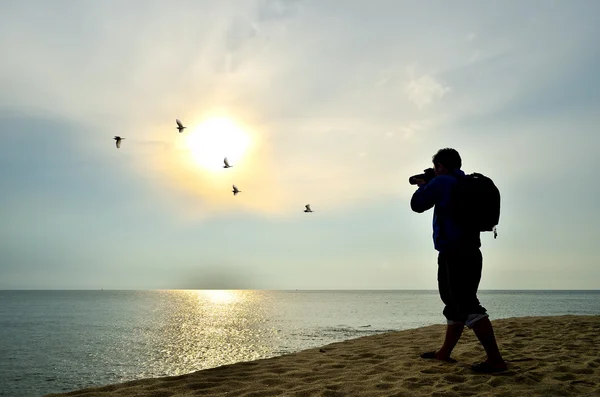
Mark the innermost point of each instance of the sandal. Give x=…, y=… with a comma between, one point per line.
x=486, y=368
x=431, y=355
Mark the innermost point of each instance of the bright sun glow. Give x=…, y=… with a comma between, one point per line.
x=219, y=296
x=214, y=139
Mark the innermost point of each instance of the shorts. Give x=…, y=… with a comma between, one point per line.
x=459, y=273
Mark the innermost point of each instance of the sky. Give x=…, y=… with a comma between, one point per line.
x=328, y=103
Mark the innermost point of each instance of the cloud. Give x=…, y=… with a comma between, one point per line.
x=411, y=129
x=239, y=33
x=276, y=10
x=219, y=275
x=423, y=90
x=251, y=31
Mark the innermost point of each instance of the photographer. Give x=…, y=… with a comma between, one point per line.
x=459, y=261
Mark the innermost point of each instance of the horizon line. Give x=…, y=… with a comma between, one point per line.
x=288, y=290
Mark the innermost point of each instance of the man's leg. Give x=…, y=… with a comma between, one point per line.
x=485, y=333
x=453, y=332
x=477, y=318
x=454, y=328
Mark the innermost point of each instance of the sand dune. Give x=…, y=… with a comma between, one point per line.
x=547, y=356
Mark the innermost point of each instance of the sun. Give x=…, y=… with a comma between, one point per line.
x=214, y=139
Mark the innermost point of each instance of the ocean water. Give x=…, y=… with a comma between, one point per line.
x=56, y=341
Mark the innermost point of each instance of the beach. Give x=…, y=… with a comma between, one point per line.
x=547, y=356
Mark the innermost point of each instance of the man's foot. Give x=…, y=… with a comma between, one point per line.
x=436, y=356
x=487, y=367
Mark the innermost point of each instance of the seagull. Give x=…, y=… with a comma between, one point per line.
x=180, y=126
x=308, y=208
x=118, y=139
x=226, y=163
x=235, y=190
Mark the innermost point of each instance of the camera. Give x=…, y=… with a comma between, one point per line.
x=427, y=176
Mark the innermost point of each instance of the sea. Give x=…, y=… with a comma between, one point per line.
x=58, y=341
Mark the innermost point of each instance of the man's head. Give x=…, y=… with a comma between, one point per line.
x=445, y=161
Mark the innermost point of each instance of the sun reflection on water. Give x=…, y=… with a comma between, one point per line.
x=207, y=328
x=219, y=296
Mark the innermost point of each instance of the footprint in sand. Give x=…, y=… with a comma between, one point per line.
x=430, y=371
x=495, y=382
x=584, y=371
x=565, y=377
x=384, y=386
x=272, y=381
x=198, y=386
x=332, y=393
x=452, y=378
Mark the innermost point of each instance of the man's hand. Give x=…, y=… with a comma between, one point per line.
x=420, y=182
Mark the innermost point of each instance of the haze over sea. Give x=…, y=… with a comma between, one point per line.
x=53, y=341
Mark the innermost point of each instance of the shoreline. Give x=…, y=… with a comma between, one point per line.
x=546, y=355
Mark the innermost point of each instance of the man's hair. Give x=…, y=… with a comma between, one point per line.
x=449, y=158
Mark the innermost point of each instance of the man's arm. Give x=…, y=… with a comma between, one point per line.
x=425, y=197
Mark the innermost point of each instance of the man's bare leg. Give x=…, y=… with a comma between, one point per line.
x=485, y=333
x=453, y=333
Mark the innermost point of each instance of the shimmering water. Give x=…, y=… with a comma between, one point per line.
x=53, y=341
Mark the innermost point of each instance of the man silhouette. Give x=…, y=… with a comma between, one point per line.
x=459, y=264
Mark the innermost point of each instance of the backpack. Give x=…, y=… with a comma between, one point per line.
x=476, y=203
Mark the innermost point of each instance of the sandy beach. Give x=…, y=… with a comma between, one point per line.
x=547, y=356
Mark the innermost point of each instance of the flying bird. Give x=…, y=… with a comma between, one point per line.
x=180, y=126
x=308, y=208
x=226, y=163
x=118, y=139
x=235, y=190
